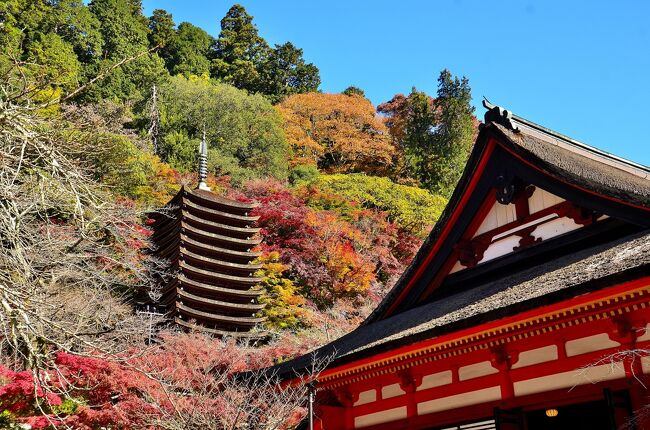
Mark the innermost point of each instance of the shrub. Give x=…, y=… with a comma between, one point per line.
x=413, y=209
x=303, y=173
x=285, y=307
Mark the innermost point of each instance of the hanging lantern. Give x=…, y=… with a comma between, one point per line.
x=552, y=413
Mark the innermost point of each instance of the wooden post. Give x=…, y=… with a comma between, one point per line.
x=409, y=383
x=347, y=399
x=502, y=360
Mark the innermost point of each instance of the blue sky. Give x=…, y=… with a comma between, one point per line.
x=579, y=67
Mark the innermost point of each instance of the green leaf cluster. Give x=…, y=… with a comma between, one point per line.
x=284, y=306
x=413, y=208
x=244, y=59
x=303, y=173
x=244, y=132
x=131, y=172
x=453, y=137
x=434, y=135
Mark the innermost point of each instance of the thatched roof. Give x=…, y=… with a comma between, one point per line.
x=578, y=165
x=553, y=281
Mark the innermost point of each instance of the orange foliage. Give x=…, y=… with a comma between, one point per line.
x=337, y=132
x=350, y=272
x=396, y=112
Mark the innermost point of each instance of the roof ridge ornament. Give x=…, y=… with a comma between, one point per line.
x=499, y=115
x=203, y=164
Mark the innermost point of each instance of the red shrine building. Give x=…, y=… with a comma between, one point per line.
x=528, y=306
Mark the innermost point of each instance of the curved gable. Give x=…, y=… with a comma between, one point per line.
x=527, y=195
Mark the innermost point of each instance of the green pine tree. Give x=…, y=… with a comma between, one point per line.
x=190, y=51
x=418, y=134
x=239, y=51
x=285, y=72
x=162, y=32
x=452, y=139
x=125, y=32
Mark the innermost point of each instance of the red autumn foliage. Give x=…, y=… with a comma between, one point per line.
x=185, y=375
x=335, y=249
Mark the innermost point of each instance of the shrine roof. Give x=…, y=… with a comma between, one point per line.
x=578, y=163
x=571, y=162
x=551, y=282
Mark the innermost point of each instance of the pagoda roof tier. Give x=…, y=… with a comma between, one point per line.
x=225, y=217
x=234, y=307
x=202, y=235
x=161, y=215
x=215, y=317
x=232, y=294
x=166, y=229
x=223, y=333
x=223, y=253
x=228, y=230
x=169, y=286
x=170, y=249
x=217, y=278
x=211, y=200
x=168, y=299
x=213, y=263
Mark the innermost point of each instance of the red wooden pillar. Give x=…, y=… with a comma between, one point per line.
x=330, y=418
x=626, y=332
x=409, y=383
x=347, y=399
x=502, y=360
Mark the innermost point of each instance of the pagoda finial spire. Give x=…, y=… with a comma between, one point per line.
x=203, y=164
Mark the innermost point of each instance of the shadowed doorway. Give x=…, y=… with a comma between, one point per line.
x=591, y=416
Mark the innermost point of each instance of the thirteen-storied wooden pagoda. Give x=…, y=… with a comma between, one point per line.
x=528, y=306
x=208, y=241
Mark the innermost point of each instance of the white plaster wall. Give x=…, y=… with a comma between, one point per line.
x=542, y=199
x=368, y=396
x=536, y=356
x=583, y=345
x=555, y=228
x=392, y=390
x=380, y=417
x=500, y=247
x=499, y=215
x=476, y=370
x=589, y=375
x=435, y=380
x=645, y=364
x=459, y=400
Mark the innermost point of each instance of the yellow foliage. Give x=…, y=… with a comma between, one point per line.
x=285, y=307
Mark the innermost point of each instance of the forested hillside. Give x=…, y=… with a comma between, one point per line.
x=102, y=110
